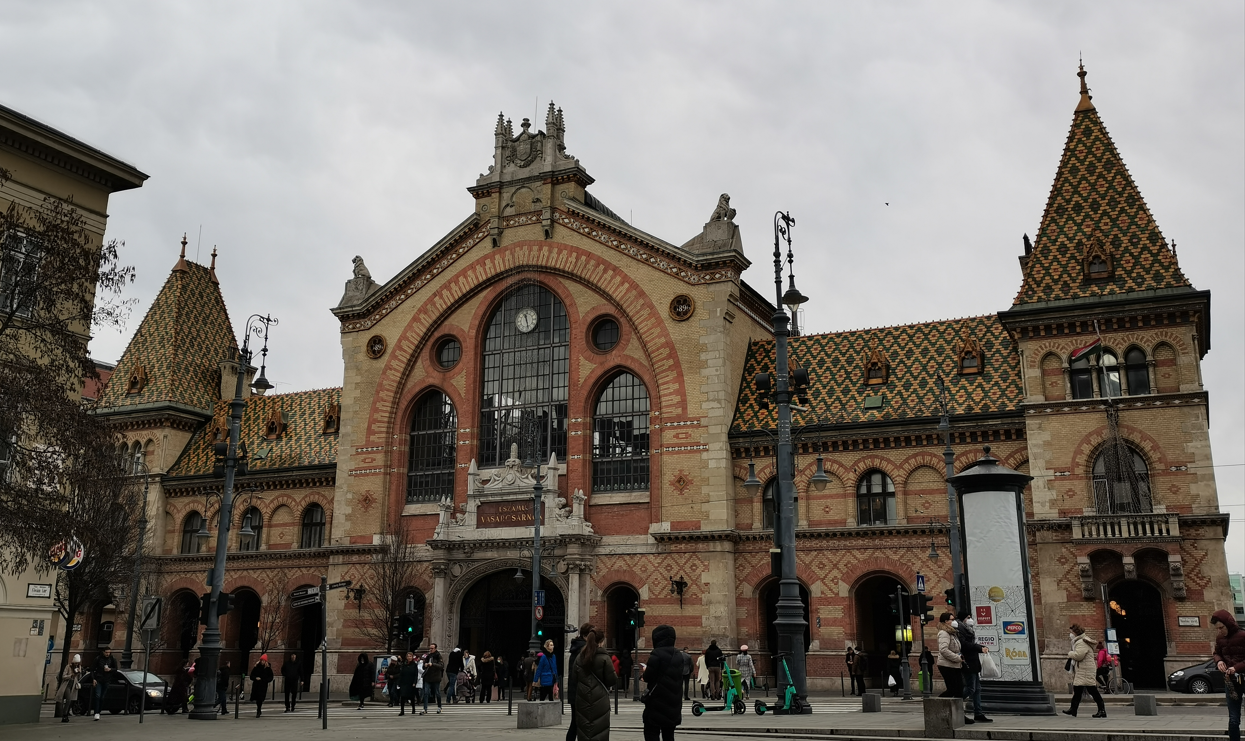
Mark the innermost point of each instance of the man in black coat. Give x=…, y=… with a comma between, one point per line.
x=292, y=673
x=222, y=688
x=576, y=644
x=713, y=661
x=970, y=671
x=663, y=708
x=103, y=671
x=687, y=672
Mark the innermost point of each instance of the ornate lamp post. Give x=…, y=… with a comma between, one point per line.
x=538, y=490
x=209, y=649
x=127, y=654
x=953, y=507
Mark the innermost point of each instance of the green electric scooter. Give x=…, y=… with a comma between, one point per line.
x=731, y=701
x=791, y=702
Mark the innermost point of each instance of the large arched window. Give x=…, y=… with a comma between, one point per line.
x=190, y=530
x=1121, y=481
x=620, y=436
x=313, y=527
x=526, y=358
x=1081, y=378
x=1109, y=375
x=1137, y=371
x=252, y=520
x=434, y=430
x=875, y=499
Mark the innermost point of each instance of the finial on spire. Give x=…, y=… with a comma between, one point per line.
x=180, y=267
x=1086, y=98
x=213, y=267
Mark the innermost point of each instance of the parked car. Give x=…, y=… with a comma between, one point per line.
x=125, y=693
x=1199, y=679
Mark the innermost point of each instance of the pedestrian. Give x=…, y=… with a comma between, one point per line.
x=860, y=670
x=970, y=672
x=949, y=659
x=663, y=706
x=529, y=673
x=546, y=671
x=577, y=643
x=408, y=680
x=392, y=669
x=261, y=677
x=434, y=667
x=71, y=683
x=467, y=679
x=292, y=676
x=1081, y=662
x=1229, y=658
x=222, y=688
x=893, y=678
x=452, y=669
x=590, y=678
x=361, y=682
x=747, y=670
x=1103, y=675
x=488, y=675
x=850, y=660
x=179, y=693
x=503, y=677
x=103, y=671
x=927, y=665
x=713, y=660
x=688, y=665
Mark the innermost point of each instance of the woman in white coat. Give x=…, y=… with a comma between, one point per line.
x=702, y=676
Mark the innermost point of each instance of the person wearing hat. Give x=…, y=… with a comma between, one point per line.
x=71, y=684
x=261, y=677
x=747, y=669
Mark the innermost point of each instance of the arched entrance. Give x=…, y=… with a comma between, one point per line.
x=243, y=629
x=496, y=616
x=304, y=637
x=769, y=598
x=619, y=635
x=875, y=624
x=1137, y=616
x=183, y=623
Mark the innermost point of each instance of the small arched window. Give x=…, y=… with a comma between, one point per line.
x=434, y=433
x=1081, y=378
x=1109, y=375
x=253, y=520
x=1121, y=481
x=105, y=634
x=313, y=527
x=1137, y=371
x=875, y=499
x=190, y=529
x=620, y=454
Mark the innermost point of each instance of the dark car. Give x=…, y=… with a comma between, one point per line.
x=124, y=693
x=1199, y=679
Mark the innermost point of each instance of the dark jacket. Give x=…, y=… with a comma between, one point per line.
x=1230, y=649
x=408, y=678
x=98, y=672
x=293, y=675
x=590, y=686
x=361, y=682
x=503, y=670
x=713, y=656
x=688, y=664
x=970, y=649
x=455, y=664
x=261, y=677
x=576, y=646
x=434, y=669
x=222, y=683
x=664, y=677
x=546, y=669
x=860, y=665
x=488, y=671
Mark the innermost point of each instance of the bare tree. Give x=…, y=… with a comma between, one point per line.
x=274, y=617
x=389, y=579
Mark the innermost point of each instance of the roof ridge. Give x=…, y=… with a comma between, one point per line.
x=886, y=326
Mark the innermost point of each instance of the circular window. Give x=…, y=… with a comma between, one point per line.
x=682, y=307
x=605, y=334
x=375, y=347
x=448, y=353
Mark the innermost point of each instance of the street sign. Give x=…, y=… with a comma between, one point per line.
x=539, y=597
x=305, y=601
x=540, y=613
x=304, y=592
x=150, y=613
x=340, y=584
x=920, y=583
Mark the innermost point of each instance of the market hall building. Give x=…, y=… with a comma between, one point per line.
x=545, y=329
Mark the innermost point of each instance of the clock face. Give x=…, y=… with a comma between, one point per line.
x=525, y=320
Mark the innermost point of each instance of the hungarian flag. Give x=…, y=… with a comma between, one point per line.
x=1092, y=348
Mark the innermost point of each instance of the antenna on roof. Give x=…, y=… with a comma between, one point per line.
x=198, y=243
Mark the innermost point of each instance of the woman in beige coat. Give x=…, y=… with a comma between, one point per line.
x=71, y=684
x=1084, y=661
x=949, y=659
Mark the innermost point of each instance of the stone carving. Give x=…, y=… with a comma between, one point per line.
x=513, y=476
x=360, y=286
x=507, y=487
x=1175, y=570
x=360, y=270
x=1130, y=567
x=723, y=212
x=1086, y=571
x=526, y=148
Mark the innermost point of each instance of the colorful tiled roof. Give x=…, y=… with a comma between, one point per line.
x=916, y=353
x=178, y=346
x=1095, y=201
x=303, y=442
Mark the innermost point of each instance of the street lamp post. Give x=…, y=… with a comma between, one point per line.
x=789, y=623
x=209, y=649
x=538, y=490
x=953, y=508
x=127, y=655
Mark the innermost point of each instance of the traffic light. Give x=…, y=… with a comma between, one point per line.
x=205, y=603
x=219, y=451
x=631, y=617
x=799, y=384
x=899, y=606
x=395, y=628
x=922, y=608
x=639, y=618
x=764, y=387
x=410, y=623
x=224, y=603
x=950, y=594
x=540, y=628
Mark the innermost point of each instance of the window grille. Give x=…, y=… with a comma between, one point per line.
x=190, y=528
x=620, y=439
x=434, y=435
x=1121, y=479
x=256, y=521
x=875, y=499
x=19, y=264
x=313, y=527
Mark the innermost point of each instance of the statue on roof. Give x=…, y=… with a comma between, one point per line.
x=360, y=270
x=360, y=286
x=723, y=212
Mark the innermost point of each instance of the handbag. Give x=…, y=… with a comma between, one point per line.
x=1067, y=665
x=890, y=681
x=989, y=670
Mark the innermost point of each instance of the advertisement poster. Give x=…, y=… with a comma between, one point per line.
x=996, y=576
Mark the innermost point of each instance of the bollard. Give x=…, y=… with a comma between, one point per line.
x=942, y=716
x=237, y=698
x=510, y=698
x=615, y=698
x=841, y=685
x=871, y=702
x=1145, y=705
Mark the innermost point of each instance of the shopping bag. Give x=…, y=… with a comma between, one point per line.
x=890, y=681
x=989, y=670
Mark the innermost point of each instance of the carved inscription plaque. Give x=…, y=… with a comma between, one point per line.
x=506, y=514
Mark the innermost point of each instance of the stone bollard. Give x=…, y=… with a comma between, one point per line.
x=871, y=702
x=1145, y=705
x=942, y=716
x=534, y=714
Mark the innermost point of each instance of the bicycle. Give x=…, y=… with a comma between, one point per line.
x=1115, y=684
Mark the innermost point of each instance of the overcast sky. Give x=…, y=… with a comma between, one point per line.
x=297, y=135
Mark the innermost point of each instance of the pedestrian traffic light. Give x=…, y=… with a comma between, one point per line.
x=799, y=384
x=540, y=628
x=219, y=451
x=639, y=618
x=410, y=623
x=922, y=608
x=950, y=593
x=224, y=603
x=631, y=616
x=764, y=387
x=899, y=607
x=395, y=628
x=205, y=603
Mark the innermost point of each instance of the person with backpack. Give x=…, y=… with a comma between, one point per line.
x=1104, y=661
x=1229, y=658
x=860, y=670
x=663, y=705
x=590, y=677
x=713, y=660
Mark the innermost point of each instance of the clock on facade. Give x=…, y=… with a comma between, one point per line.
x=525, y=320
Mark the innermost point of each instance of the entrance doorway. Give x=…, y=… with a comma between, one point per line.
x=496, y=616
x=304, y=638
x=875, y=624
x=619, y=635
x=1137, y=616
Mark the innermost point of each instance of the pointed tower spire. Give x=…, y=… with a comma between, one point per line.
x=1086, y=103
x=180, y=267
x=213, y=268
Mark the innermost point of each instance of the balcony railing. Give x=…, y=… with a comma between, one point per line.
x=1126, y=527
